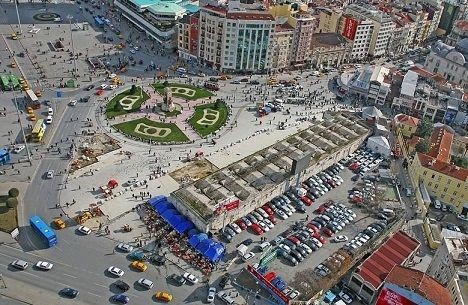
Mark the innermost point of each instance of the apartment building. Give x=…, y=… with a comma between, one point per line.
x=371, y=84
x=407, y=124
x=459, y=32
x=328, y=20
x=359, y=32
x=453, y=10
x=303, y=24
x=188, y=37
x=450, y=62
x=281, y=47
x=329, y=50
x=383, y=26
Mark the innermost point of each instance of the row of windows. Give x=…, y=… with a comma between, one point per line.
x=433, y=176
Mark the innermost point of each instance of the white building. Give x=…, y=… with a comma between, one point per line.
x=379, y=145
x=371, y=84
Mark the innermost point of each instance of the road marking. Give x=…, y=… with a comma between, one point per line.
x=72, y=276
x=96, y=294
x=32, y=274
x=100, y=285
x=9, y=256
x=38, y=256
x=131, y=294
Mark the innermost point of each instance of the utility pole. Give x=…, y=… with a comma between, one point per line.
x=21, y=125
x=17, y=15
x=70, y=17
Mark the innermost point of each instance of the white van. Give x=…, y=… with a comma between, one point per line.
x=301, y=192
x=388, y=211
x=325, y=217
x=437, y=204
x=264, y=245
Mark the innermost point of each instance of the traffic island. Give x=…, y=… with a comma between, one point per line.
x=147, y=130
x=183, y=91
x=209, y=118
x=8, y=211
x=126, y=102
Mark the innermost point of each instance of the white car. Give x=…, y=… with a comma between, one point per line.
x=235, y=227
x=146, y=283
x=268, y=223
x=73, y=103
x=136, y=48
x=340, y=238
x=19, y=148
x=132, y=51
x=345, y=297
x=263, y=226
x=115, y=271
x=104, y=86
x=248, y=256
x=125, y=247
x=190, y=277
x=50, y=174
x=44, y=265
x=211, y=294
x=50, y=111
x=84, y=230
x=281, y=214
x=48, y=120
x=462, y=217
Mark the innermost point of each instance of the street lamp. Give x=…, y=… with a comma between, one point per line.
x=70, y=17
x=21, y=126
x=17, y=15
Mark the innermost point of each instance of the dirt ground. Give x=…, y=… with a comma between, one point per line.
x=97, y=145
x=193, y=171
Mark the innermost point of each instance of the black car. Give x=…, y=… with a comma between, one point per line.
x=311, y=245
x=302, y=251
x=179, y=280
x=316, y=224
x=320, y=221
x=369, y=233
x=290, y=244
x=122, y=285
x=158, y=260
x=255, y=82
x=85, y=99
x=89, y=88
x=247, y=242
x=332, y=228
x=296, y=255
x=70, y=292
x=224, y=280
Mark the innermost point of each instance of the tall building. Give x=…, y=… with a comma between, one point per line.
x=303, y=24
x=188, y=37
x=459, y=32
x=328, y=20
x=281, y=47
x=383, y=26
x=359, y=31
x=453, y=10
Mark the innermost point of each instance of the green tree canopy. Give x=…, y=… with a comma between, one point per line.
x=423, y=146
x=426, y=128
x=12, y=202
x=460, y=161
x=13, y=192
x=133, y=89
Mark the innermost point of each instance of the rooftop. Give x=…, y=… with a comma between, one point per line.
x=407, y=120
x=457, y=246
x=443, y=167
x=441, y=144
x=420, y=283
x=327, y=40
x=408, y=86
x=393, y=252
x=265, y=169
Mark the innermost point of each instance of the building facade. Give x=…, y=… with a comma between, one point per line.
x=359, y=32
x=329, y=50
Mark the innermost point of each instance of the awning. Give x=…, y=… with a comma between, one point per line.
x=163, y=206
x=169, y=213
x=196, y=239
x=204, y=245
x=193, y=232
x=176, y=220
x=184, y=226
x=155, y=200
x=215, y=253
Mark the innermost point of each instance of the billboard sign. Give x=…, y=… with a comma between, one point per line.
x=390, y=297
x=350, y=28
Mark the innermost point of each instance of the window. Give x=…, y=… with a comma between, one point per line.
x=436, y=186
x=433, y=176
x=455, y=193
x=445, y=189
x=424, y=173
x=430, y=184
x=356, y=281
x=458, y=185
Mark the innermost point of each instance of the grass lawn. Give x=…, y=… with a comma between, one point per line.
x=113, y=110
x=199, y=92
x=8, y=219
x=205, y=129
x=175, y=135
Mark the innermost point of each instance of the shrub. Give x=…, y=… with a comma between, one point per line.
x=13, y=192
x=12, y=202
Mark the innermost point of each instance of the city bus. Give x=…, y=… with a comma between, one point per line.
x=33, y=101
x=98, y=21
x=44, y=231
x=38, y=131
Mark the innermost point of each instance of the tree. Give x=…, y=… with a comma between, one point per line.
x=13, y=192
x=133, y=89
x=460, y=161
x=426, y=128
x=218, y=103
x=12, y=202
x=423, y=146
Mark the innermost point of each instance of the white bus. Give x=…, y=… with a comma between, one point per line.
x=32, y=96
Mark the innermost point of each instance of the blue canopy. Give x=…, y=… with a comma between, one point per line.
x=193, y=232
x=176, y=219
x=196, y=239
x=215, y=253
x=162, y=206
x=204, y=245
x=184, y=226
x=155, y=200
x=169, y=213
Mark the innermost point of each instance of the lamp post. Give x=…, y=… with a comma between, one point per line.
x=21, y=126
x=17, y=15
x=70, y=17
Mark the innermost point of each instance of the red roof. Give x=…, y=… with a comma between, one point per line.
x=414, y=141
x=441, y=143
x=215, y=8
x=422, y=72
x=407, y=120
x=393, y=252
x=448, y=169
x=420, y=283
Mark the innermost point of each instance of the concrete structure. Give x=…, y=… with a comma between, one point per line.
x=453, y=10
x=414, y=286
x=281, y=48
x=445, y=266
x=380, y=145
x=158, y=19
x=187, y=39
x=303, y=24
x=368, y=278
x=459, y=32
x=358, y=30
x=407, y=124
x=450, y=62
x=371, y=84
x=328, y=20
x=261, y=176
x=329, y=50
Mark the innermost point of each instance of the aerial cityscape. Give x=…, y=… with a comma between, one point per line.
x=253, y=152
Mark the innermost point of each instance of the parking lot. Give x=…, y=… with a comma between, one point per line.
x=313, y=254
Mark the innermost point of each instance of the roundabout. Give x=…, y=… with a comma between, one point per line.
x=168, y=113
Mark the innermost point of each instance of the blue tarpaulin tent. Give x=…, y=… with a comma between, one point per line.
x=176, y=219
x=155, y=200
x=196, y=239
x=162, y=206
x=193, y=232
x=204, y=245
x=184, y=226
x=169, y=213
x=215, y=253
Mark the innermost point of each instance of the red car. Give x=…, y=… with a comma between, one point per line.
x=311, y=226
x=357, y=199
x=267, y=209
x=307, y=201
x=320, y=237
x=327, y=232
x=257, y=229
x=241, y=224
x=273, y=219
x=321, y=209
x=294, y=240
x=270, y=276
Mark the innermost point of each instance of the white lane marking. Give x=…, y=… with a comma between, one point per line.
x=6, y=255
x=31, y=274
x=72, y=276
x=95, y=294
x=100, y=285
x=38, y=256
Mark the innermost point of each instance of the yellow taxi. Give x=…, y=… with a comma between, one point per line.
x=163, y=296
x=32, y=117
x=14, y=36
x=272, y=81
x=21, y=81
x=29, y=110
x=140, y=266
x=59, y=223
x=13, y=64
x=38, y=93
